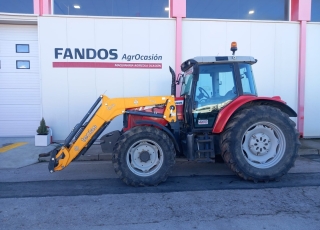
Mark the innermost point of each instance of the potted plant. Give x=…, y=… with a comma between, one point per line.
x=42, y=138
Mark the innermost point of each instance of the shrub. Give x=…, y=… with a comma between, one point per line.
x=42, y=130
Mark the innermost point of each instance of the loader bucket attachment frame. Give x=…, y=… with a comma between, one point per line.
x=75, y=132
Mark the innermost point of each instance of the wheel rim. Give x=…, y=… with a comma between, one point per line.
x=263, y=145
x=145, y=158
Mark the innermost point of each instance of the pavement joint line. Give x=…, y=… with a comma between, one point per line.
x=12, y=146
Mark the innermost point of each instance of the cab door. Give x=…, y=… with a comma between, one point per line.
x=214, y=89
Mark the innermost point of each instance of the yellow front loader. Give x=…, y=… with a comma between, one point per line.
x=103, y=111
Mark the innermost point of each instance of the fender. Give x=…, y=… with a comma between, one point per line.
x=163, y=128
x=242, y=102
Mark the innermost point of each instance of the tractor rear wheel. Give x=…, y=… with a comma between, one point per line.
x=143, y=156
x=260, y=143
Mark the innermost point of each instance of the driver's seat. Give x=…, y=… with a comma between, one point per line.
x=231, y=94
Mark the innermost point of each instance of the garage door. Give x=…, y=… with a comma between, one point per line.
x=20, y=98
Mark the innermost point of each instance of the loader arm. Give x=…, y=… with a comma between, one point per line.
x=98, y=118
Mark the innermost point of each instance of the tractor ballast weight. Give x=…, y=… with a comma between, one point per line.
x=217, y=113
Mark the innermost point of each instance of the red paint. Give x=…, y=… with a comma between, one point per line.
x=47, y=7
x=36, y=6
x=302, y=76
x=179, y=108
x=107, y=65
x=294, y=10
x=42, y=7
x=178, y=51
x=132, y=119
x=178, y=8
x=227, y=112
x=300, y=10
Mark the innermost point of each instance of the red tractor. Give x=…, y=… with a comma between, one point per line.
x=217, y=113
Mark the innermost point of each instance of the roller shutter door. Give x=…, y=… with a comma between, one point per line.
x=20, y=97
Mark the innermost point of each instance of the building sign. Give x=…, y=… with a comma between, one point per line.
x=144, y=60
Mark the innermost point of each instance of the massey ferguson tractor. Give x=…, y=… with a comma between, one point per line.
x=218, y=112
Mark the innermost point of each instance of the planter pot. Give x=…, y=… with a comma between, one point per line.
x=41, y=140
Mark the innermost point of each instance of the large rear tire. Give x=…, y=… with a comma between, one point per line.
x=143, y=156
x=260, y=143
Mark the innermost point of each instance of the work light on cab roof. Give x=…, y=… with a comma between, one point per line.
x=233, y=47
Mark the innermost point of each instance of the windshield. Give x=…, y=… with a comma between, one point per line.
x=187, y=78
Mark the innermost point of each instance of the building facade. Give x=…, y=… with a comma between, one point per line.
x=55, y=63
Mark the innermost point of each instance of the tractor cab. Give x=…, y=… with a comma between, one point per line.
x=209, y=83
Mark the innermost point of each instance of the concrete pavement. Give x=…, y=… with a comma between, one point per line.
x=28, y=153
x=309, y=146
x=23, y=155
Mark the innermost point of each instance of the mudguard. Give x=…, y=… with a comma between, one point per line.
x=247, y=101
x=163, y=128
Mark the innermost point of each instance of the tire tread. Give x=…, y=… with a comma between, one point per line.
x=119, y=166
x=233, y=125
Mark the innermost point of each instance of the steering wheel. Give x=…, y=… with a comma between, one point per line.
x=204, y=92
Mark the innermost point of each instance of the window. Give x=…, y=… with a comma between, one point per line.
x=315, y=10
x=22, y=48
x=247, y=80
x=119, y=8
x=23, y=64
x=215, y=84
x=16, y=6
x=204, y=86
x=239, y=9
x=187, y=82
x=226, y=85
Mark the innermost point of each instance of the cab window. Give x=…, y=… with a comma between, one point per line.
x=247, y=80
x=187, y=79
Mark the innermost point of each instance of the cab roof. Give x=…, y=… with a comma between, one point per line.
x=216, y=59
x=210, y=59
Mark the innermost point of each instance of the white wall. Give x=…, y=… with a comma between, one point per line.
x=312, y=87
x=274, y=44
x=68, y=93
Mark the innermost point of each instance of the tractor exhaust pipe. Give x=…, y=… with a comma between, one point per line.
x=173, y=83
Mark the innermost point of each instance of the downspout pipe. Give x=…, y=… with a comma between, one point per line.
x=178, y=11
x=302, y=76
x=301, y=11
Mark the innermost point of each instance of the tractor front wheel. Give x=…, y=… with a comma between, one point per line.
x=260, y=143
x=143, y=156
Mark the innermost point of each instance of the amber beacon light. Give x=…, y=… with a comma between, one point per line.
x=233, y=47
